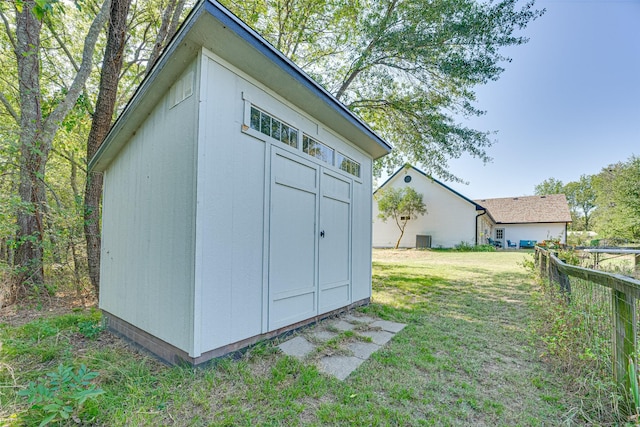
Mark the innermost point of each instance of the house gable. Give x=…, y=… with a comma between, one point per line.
x=450, y=217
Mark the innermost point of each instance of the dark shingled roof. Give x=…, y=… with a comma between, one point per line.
x=528, y=209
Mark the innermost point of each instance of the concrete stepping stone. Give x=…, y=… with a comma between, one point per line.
x=388, y=326
x=358, y=319
x=363, y=350
x=342, y=325
x=297, y=347
x=322, y=335
x=340, y=366
x=378, y=337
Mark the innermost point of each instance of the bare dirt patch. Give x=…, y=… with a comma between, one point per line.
x=62, y=303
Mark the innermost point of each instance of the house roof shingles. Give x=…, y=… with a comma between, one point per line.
x=528, y=209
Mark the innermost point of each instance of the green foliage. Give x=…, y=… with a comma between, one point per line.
x=569, y=256
x=401, y=205
x=634, y=390
x=618, y=199
x=409, y=68
x=60, y=395
x=549, y=186
x=575, y=328
x=90, y=329
x=581, y=197
x=466, y=247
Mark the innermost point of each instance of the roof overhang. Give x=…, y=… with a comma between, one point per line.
x=213, y=27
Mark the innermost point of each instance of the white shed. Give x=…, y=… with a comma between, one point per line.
x=237, y=197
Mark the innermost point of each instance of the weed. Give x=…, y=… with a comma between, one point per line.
x=60, y=395
x=90, y=329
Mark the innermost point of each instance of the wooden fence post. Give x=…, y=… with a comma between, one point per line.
x=624, y=338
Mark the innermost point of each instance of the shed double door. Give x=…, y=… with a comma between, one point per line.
x=309, y=240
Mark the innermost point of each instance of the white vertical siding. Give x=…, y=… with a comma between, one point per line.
x=148, y=226
x=230, y=216
x=361, y=241
x=537, y=232
x=450, y=219
x=233, y=194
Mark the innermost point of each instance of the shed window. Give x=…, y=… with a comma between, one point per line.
x=348, y=165
x=270, y=126
x=317, y=149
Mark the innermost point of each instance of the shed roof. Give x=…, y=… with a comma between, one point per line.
x=212, y=26
x=528, y=209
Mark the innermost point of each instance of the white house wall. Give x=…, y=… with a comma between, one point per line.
x=449, y=220
x=148, y=225
x=233, y=199
x=537, y=232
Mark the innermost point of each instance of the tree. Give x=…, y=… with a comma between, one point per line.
x=401, y=205
x=549, y=186
x=408, y=67
x=617, y=190
x=582, y=201
x=39, y=118
x=102, y=118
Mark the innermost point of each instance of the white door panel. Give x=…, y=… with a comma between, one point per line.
x=309, y=240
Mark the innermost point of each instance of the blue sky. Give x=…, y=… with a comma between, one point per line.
x=568, y=104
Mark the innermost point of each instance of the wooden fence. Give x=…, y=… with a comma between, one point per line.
x=624, y=293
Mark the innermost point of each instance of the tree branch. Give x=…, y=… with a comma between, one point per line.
x=9, y=108
x=58, y=115
x=63, y=45
x=8, y=29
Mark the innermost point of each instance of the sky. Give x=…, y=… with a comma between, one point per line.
x=568, y=104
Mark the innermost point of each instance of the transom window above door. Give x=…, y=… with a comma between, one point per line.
x=267, y=124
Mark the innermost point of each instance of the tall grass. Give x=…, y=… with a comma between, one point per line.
x=576, y=330
x=468, y=356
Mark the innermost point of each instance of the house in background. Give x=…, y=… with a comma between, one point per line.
x=237, y=197
x=530, y=218
x=452, y=218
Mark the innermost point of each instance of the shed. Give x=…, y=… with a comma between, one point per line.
x=237, y=197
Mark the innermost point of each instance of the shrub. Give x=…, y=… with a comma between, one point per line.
x=466, y=247
x=60, y=395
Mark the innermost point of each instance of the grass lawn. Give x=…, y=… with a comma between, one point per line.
x=468, y=356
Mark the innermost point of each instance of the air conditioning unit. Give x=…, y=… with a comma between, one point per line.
x=423, y=241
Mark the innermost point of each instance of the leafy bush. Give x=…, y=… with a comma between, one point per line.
x=466, y=247
x=90, y=329
x=60, y=395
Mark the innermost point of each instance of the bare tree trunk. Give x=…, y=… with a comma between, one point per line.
x=36, y=137
x=33, y=152
x=168, y=27
x=109, y=79
x=72, y=241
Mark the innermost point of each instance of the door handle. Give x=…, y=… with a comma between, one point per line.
x=322, y=233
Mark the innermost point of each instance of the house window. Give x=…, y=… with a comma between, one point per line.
x=348, y=165
x=317, y=149
x=405, y=218
x=499, y=233
x=270, y=126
